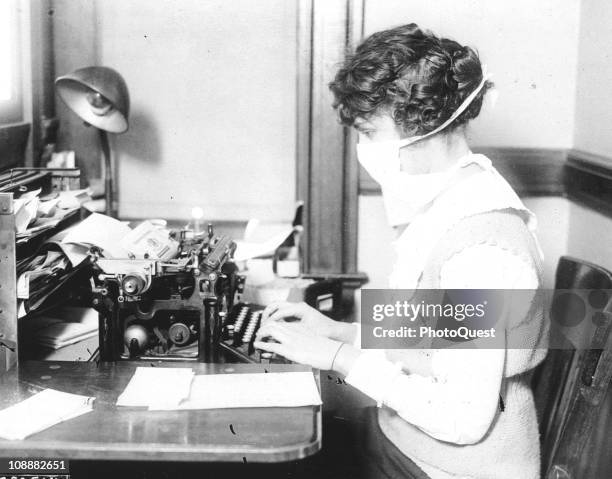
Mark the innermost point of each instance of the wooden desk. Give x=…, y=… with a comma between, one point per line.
x=111, y=433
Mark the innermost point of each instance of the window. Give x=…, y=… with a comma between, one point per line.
x=10, y=77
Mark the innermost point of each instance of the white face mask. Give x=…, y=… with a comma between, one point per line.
x=405, y=194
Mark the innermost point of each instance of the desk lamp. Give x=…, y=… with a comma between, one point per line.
x=100, y=97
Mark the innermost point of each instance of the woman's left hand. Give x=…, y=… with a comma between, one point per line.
x=299, y=344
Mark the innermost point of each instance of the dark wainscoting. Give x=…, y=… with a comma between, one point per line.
x=530, y=171
x=588, y=180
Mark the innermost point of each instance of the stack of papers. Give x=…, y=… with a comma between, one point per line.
x=178, y=389
x=36, y=272
x=63, y=327
x=35, y=214
x=101, y=231
x=40, y=412
x=117, y=240
x=157, y=388
x=40, y=275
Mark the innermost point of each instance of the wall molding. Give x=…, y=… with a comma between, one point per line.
x=530, y=171
x=588, y=180
x=574, y=174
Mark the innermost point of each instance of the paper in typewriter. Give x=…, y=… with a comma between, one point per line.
x=157, y=388
x=218, y=391
x=41, y=411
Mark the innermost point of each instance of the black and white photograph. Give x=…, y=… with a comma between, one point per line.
x=294, y=239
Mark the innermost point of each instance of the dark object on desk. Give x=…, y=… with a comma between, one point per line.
x=99, y=95
x=13, y=143
x=109, y=433
x=570, y=386
x=172, y=309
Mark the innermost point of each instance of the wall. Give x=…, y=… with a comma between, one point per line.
x=74, y=46
x=535, y=106
x=593, y=105
x=212, y=87
x=590, y=235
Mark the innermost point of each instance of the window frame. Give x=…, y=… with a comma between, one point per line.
x=11, y=110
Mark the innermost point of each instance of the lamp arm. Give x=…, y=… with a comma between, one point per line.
x=108, y=174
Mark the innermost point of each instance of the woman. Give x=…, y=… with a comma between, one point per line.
x=442, y=413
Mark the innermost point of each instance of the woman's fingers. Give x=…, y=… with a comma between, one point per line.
x=263, y=332
x=288, y=335
x=268, y=310
x=281, y=332
x=275, y=330
x=273, y=308
x=280, y=311
x=270, y=330
x=287, y=311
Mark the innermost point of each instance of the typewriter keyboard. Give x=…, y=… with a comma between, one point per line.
x=239, y=331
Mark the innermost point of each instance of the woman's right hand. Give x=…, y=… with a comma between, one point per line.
x=310, y=318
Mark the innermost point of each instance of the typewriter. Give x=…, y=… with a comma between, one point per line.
x=171, y=308
x=186, y=307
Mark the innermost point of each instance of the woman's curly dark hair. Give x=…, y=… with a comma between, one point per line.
x=411, y=74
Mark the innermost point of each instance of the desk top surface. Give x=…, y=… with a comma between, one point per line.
x=255, y=435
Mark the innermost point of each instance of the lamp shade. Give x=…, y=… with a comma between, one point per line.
x=99, y=95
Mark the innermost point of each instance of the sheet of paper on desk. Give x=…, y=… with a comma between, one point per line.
x=253, y=249
x=41, y=411
x=101, y=231
x=73, y=198
x=217, y=391
x=157, y=388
